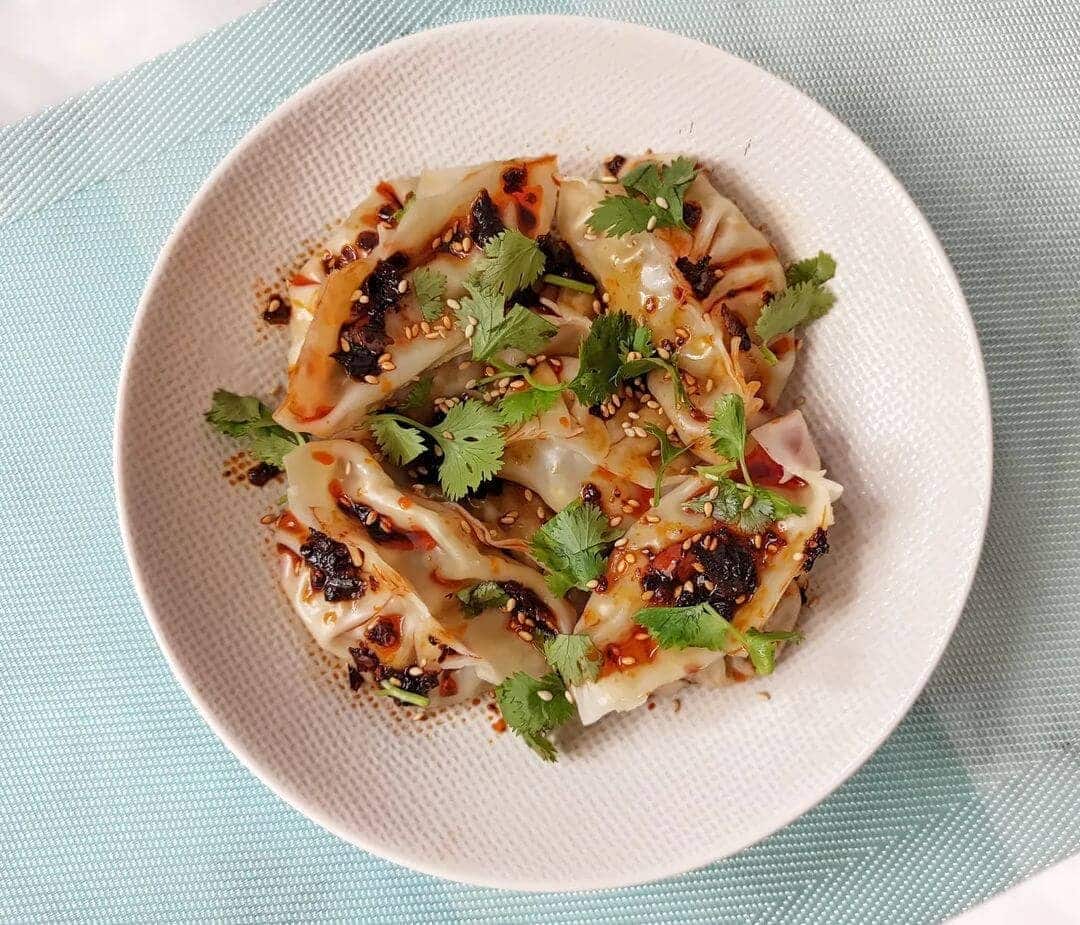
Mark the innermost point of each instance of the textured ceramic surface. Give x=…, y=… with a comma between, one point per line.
x=894, y=391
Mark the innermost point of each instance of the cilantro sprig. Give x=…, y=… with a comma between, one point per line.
x=747, y=507
x=249, y=421
x=700, y=626
x=482, y=315
x=533, y=707
x=572, y=546
x=469, y=439
x=574, y=657
x=513, y=262
x=655, y=200
x=743, y=504
x=805, y=299
x=430, y=288
x=668, y=454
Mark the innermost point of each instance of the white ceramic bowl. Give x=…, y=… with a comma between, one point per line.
x=895, y=394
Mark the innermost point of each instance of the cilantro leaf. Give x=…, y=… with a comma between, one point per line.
x=480, y=597
x=468, y=438
x=727, y=428
x=616, y=216
x=806, y=299
x=398, y=441
x=794, y=306
x=667, y=183
x=818, y=270
x=730, y=503
x=532, y=707
x=668, y=454
x=419, y=395
x=525, y=404
x=761, y=647
x=473, y=452
x=484, y=314
x=430, y=288
x=571, y=546
x=513, y=262
x=609, y=339
x=702, y=627
x=574, y=657
x=663, y=189
x=249, y=421
x=699, y=626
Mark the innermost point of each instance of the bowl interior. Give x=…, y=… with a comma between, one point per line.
x=893, y=389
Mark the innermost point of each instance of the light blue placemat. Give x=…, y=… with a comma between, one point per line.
x=116, y=801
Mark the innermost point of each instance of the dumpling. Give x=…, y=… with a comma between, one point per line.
x=368, y=225
x=686, y=557
x=373, y=569
x=367, y=337
x=656, y=278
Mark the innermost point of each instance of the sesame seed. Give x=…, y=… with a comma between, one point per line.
x=652, y=518
x=641, y=637
x=466, y=244
x=540, y=512
x=453, y=305
x=746, y=504
x=510, y=604
x=662, y=202
x=607, y=179
x=686, y=545
x=620, y=569
x=470, y=330
x=371, y=380
x=606, y=298
x=396, y=682
x=388, y=366
x=525, y=635
x=548, y=303
x=651, y=223
x=614, y=521
x=699, y=568
x=591, y=584
x=709, y=385
x=688, y=586
x=633, y=415
x=627, y=660
x=798, y=557
x=714, y=493
x=416, y=671
x=596, y=305
x=448, y=236
x=741, y=599
x=663, y=353
x=447, y=435
x=757, y=541
x=546, y=696
x=434, y=335
x=344, y=345
x=403, y=286
x=569, y=697
x=707, y=509
x=619, y=543
x=528, y=494
x=709, y=585
x=681, y=332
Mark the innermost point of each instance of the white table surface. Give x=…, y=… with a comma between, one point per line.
x=53, y=49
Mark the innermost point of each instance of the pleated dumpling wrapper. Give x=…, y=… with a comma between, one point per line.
x=690, y=556
x=367, y=336
x=375, y=573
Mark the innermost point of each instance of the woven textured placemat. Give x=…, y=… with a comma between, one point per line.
x=118, y=803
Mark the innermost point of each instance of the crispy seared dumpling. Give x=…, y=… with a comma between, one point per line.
x=367, y=337
x=687, y=558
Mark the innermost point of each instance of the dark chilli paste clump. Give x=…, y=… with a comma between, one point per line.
x=484, y=219
x=717, y=568
x=332, y=569
x=261, y=473
x=414, y=680
x=701, y=275
x=363, y=339
x=815, y=547
x=530, y=615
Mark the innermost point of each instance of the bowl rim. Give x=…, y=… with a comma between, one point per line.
x=690, y=861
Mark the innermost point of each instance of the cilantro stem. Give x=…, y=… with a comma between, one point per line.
x=409, y=422
x=768, y=355
x=526, y=374
x=388, y=690
x=566, y=283
x=745, y=471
